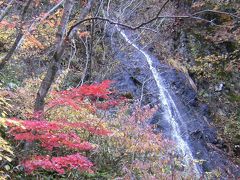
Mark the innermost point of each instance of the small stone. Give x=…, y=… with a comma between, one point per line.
x=219, y=87
x=221, y=113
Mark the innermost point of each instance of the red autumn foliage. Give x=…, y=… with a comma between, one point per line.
x=52, y=134
x=75, y=97
x=7, y=25
x=58, y=134
x=59, y=164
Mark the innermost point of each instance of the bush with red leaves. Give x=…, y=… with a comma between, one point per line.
x=59, y=164
x=54, y=136
x=99, y=95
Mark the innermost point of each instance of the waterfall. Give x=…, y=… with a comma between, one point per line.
x=171, y=112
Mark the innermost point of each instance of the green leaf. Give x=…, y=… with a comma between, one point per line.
x=7, y=167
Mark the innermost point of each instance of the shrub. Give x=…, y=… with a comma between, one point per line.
x=135, y=150
x=56, y=145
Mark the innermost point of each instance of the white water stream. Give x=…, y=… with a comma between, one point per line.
x=171, y=112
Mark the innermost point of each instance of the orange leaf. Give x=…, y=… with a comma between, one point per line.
x=84, y=34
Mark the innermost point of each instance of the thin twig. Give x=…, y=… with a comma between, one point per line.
x=217, y=12
x=6, y=10
x=191, y=16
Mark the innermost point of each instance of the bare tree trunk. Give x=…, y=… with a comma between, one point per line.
x=18, y=38
x=11, y=51
x=91, y=48
x=88, y=72
x=53, y=66
x=6, y=10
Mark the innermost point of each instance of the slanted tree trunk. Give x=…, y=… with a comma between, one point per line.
x=8, y=56
x=53, y=66
x=6, y=10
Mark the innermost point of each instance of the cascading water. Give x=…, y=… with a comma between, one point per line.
x=170, y=110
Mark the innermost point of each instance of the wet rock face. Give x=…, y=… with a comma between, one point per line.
x=181, y=88
x=135, y=77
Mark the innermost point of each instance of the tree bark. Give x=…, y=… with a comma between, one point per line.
x=11, y=51
x=18, y=38
x=6, y=10
x=53, y=66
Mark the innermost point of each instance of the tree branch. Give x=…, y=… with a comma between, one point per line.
x=117, y=23
x=82, y=15
x=6, y=10
x=191, y=16
x=20, y=36
x=217, y=12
